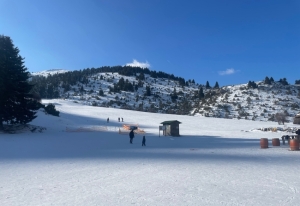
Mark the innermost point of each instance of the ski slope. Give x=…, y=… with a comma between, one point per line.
x=213, y=162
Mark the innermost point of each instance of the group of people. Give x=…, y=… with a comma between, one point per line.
x=131, y=136
x=118, y=119
x=289, y=137
x=131, y=133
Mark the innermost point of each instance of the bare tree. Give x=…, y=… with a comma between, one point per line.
x=281, y=118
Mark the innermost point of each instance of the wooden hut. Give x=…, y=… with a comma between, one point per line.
x=297, y=119
x=171, y=128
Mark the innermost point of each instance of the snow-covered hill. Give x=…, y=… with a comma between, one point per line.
x=158, y=101
x=161, y=95
x=236, y=101
x=49, y=72
x=262, y=103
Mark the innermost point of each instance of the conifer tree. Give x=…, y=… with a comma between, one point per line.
x=174, y=95
x=283, y=81
x=81, y=89
x=101, y=93
x=207, y=85
x=252, y=84
x=17, y=105
x=201, y=93
x=148, y=91
x=141, y=76
x=216, y=85
x=267, y=80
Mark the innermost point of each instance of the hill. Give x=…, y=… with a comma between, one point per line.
x=150, y=91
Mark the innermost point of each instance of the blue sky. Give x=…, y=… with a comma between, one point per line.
x=227, y=41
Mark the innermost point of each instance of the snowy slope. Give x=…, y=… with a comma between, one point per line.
x=260, y=104
x=83, y=160
x=49, y=72
x=234, y=102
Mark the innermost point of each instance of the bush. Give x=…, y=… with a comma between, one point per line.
x=50, y=109
x=281, y=117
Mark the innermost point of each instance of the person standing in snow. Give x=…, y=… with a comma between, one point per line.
x=107, y=120
x=119, y=119
x=144, y=141
x=131, y=136
x=122, y=119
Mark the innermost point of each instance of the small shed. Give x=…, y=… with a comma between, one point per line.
x=171, y=128
x=297, y=119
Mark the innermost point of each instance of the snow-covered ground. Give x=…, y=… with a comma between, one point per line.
x=46, y=73
x=77, y=162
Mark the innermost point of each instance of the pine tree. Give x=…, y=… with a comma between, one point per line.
x=81, y=90
x=216, y=85
x=174, y=95
x=207, y=85
x=267, y=80
x=101, y=93
x=17, y=105
x=148, y=91
x=201, y=93
x=283, y=81
x=141, y=76
x=252, y=84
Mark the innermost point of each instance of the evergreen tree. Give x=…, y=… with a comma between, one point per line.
x=128, y=86
x=141, y=77
x=81, y=90
x=283, y=81
x=17, y=105
x=252, y=84
x=271, y=79
x=201, y=93
x=267, y=80
x=207, y=85
x=101, y=93
x=148, y=91
x=216, y=85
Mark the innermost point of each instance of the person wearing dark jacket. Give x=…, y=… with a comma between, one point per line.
x=131, y=136
x=144, y=141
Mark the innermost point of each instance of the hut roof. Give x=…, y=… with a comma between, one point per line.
x=170, y=122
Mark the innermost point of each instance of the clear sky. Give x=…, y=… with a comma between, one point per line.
x=229, y=41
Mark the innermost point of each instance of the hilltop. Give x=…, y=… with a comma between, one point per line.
x=46, y=73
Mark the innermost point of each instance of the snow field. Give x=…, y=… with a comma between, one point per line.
x=214, y=162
